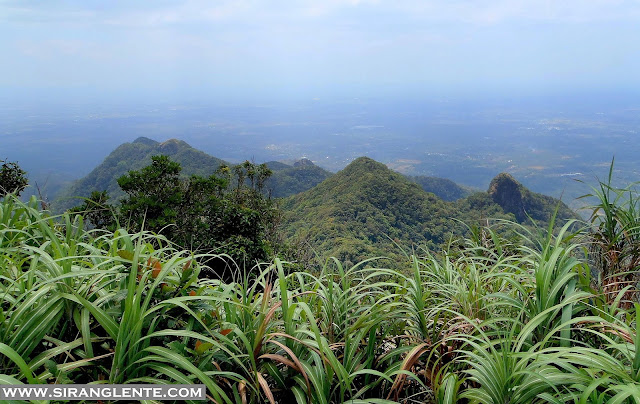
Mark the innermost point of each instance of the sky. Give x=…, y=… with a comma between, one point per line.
x=318, y=48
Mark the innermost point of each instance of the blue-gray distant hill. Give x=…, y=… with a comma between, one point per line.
x=289, y=180
x=134, y=156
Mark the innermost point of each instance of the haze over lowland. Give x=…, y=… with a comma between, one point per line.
x=322, y=201
x=545, y=142
x=460, y=90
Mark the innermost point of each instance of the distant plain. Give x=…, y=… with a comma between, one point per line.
x=545, y=142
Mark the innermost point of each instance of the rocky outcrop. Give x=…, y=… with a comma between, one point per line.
x=508, y=193
x=525, y=205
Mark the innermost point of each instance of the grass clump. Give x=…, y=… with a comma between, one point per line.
x=491, y=320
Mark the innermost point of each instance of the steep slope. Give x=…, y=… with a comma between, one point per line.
x=352, y=214
x=286, y=179
x=289, y=180
x=514, y=198
x=443, y=188
x=134, y=156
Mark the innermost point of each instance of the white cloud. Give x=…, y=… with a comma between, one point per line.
x=187, y=12
x=313, y=40
x=498, y=11
x=159, y=13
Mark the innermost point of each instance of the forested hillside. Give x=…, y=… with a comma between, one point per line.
x=285, y=179
x=443, y=188
x=364, y=210
x=514, y=198
x=288, y=180
x=134, y=156
x=367, y=209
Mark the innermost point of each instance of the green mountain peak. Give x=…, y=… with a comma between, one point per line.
x=358, y=211
x=145, y=140
x=363, y=210
x=134, y=156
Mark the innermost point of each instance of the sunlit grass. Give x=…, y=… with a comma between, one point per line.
x=493, y=321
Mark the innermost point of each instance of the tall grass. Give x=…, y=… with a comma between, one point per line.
x=491, y=321
x=614, y=241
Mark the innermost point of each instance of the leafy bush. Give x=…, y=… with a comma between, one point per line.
x=12, y=178
x=225, y=213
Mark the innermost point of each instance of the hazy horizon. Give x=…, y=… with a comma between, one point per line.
x=458, y=89
x=257, y=49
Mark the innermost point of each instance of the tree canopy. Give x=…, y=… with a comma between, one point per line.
x=13, y=179
x=225, y=213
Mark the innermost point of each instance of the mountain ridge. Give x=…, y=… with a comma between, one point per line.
x=134, y=156
x=286, y=179
x=443, y=188
x=289, y=180
x=360, y=211
x=367, y=209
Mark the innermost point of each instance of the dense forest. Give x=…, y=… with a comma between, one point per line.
x=499, y=296
x=134, y=156
x=285, y=179
x=364, y=210
x=368, y=210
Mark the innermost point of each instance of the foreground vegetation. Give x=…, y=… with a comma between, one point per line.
x=544, y=318
x=365, y=210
